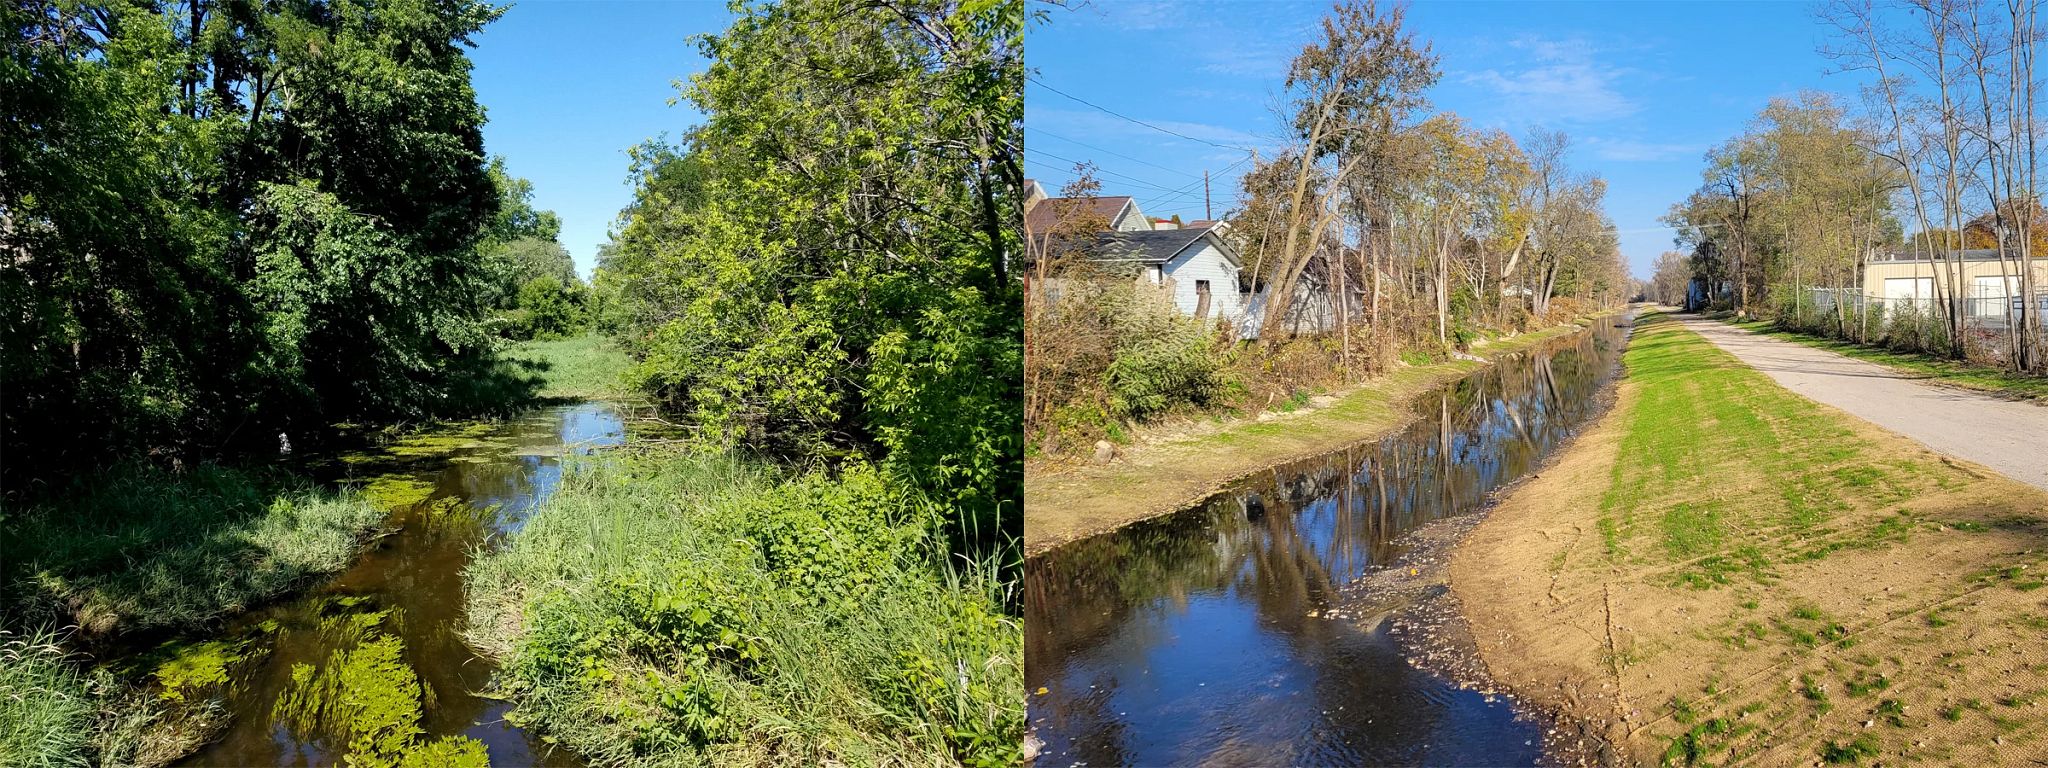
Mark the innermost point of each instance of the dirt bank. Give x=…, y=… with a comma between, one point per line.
x=1170, y=469
x=1722, y=572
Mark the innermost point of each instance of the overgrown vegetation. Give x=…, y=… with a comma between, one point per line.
x=819, y=278
x=587, y=366
x=824, y=268
x=670, y=608
x=145, y=548
x=46, y=713
x=222, y=227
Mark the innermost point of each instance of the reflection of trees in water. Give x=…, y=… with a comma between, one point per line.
x=1288, y=538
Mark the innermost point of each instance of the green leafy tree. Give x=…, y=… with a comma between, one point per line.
x=223, y=219
x=549, y=309
x=823, y=269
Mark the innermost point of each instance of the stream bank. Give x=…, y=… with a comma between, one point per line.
x=1263, y=626
x=1171, y=473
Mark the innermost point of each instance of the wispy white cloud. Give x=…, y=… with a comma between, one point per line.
x=1559, y=81
x=1083, y=124
x=1633, y=150
x=1142, y=15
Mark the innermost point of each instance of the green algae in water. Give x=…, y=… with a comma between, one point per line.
x=198, y=666
x=364, y=695
x=397, y=491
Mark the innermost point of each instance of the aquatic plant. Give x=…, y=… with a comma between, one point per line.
x=366, y=696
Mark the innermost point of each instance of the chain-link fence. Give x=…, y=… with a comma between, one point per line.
x=1917, y=323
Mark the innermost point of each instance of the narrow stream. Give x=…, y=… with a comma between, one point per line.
x=1203, y=637
x=305, y=657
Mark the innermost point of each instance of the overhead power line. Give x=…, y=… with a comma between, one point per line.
x=1127, y=118
x=1113, y=153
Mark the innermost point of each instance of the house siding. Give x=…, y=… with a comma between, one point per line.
x=1132, y=220
x=1204, y=261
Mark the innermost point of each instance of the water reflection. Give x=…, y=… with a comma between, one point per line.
x=412, y=584
x=1188, y=639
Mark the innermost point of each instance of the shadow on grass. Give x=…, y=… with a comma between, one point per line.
x=141, y=548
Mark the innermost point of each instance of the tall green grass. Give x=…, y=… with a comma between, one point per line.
x=582, y=367
x=149, y=548
x=665, y=608
x=46, y=714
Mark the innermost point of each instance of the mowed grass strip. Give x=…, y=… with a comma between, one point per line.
x=1740, y=576
x=1938, y=369
x=1717, y=461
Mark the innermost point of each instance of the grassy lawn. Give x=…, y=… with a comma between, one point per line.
x=667, y=608
x=587, y=367
x=1938, y=369
x=1767, y=581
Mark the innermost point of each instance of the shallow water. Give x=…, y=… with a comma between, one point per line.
x=1188, y=638
x=296, y=700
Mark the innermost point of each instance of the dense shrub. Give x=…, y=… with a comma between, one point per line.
x=1161, y=367
x=824, y=269
x=666, y=608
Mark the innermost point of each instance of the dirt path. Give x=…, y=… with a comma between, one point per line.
x=1168, y=472
x=2004, y=435
x=1722, y=572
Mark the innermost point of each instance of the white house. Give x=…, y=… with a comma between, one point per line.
x=1043, y=215
x=1198, y=267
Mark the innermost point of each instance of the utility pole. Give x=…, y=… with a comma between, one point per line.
x=1206, y=213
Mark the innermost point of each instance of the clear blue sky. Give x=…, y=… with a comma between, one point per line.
x=1643, y=89
x=569, y=86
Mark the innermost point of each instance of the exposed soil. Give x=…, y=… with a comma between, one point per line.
x=1174, y=467
x=1919, y=647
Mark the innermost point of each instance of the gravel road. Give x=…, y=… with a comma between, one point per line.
x=2008, y=436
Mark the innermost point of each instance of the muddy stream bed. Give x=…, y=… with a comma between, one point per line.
x=1278, y=622
x=325, y=673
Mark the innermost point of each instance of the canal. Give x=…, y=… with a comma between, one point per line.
x=373, y=660
x=1221, y=635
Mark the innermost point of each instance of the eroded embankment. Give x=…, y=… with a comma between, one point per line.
x=1722, y=571
x=1173, y=473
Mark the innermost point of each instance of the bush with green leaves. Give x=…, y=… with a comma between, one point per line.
x=825, y=268
x=1153, y=373
x=667, y=608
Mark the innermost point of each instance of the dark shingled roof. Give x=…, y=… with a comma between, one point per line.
x=1156, y=245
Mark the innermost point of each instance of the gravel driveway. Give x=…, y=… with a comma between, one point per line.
x=2008, y=436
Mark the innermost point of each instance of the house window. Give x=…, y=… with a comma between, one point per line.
x=1201, y=299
